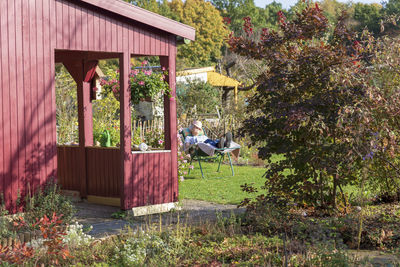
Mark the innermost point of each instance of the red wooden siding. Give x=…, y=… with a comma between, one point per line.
x=151, y=174
x=30, y=33
x=125, y=132
x=146, y=17
x=27, y=122
x=81, y=28
x=69, y=175
x=103, y=171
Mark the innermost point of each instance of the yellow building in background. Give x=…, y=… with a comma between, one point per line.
x=208, y=74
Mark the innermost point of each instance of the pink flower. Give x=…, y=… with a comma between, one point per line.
x=147, y=72
x=163, y=68
x=161, y=142
x=141, y=83
x=191, y=167
x=145, y=62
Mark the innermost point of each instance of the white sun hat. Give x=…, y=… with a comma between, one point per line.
x=197, y=124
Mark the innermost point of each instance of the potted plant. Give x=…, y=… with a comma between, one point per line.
x=145, y=83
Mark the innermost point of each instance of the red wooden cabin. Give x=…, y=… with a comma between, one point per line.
x=35, y=34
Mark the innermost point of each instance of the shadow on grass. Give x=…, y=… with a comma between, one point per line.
x=191, y=177
x=209, y=175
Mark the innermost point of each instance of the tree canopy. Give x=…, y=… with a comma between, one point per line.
x=236, y=10
x=204, y=17
x=210, y=31
x=310, y=106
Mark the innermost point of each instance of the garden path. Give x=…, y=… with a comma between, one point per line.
x=193, y=212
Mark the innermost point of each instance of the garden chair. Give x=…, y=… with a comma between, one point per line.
x=197, y=153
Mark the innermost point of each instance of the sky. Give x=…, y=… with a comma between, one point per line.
x=287, y=3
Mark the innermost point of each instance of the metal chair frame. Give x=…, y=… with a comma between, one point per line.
x=199, y=155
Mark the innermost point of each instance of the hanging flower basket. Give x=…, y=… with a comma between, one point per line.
x=145, y=83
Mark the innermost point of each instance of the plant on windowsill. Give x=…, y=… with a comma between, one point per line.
x=145, y=83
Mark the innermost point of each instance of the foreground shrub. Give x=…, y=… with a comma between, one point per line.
x=46, y=202
x=6, y=228
x=47, y=249
x=15, y=255
x=225, y=242
x=75, y=236
x=137, y=250
x=370, y=227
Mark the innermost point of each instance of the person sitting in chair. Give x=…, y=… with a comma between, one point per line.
x=195, y=137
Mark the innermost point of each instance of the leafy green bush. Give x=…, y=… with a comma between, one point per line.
x=154, y=138
x=139, y=249
x=106, y=117
x=76, y=238
x=46, y=202
x=67, y=107
x=200, y=94
x=6, y=228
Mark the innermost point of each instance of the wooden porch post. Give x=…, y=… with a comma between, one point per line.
x=125, y=126
x=80, y=70
x=170, y=116
x=85, y=105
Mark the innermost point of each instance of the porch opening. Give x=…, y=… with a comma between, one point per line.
x=88, y=128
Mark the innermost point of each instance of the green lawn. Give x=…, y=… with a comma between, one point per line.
x=220, y=187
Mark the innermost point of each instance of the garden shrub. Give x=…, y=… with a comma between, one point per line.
x=48, y=249
x=266, y=215
x=201, y=95
x=75, y=236
x=154, y=138
x=370, y=227
x=67, y=107
x=15, y=256
x=46, y=202
x=139, y=249
x=106, y=117
x=6, y=228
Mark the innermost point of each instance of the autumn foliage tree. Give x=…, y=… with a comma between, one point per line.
x=201, y=15
x=310, y=76
x=210, y=31
x=372, y=125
